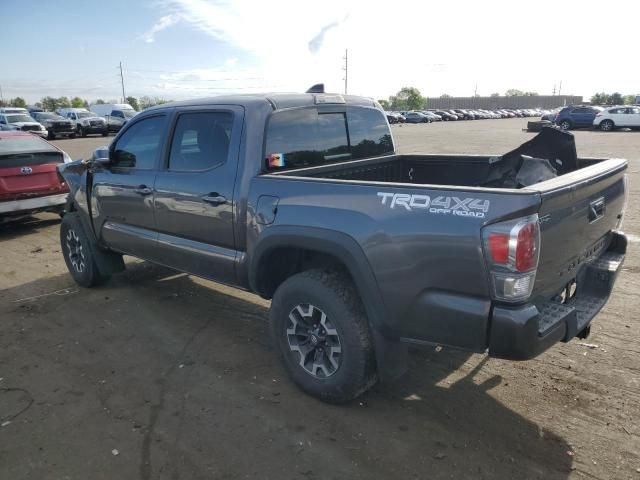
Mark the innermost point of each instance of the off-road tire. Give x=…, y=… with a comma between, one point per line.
x=334, y=294
x=78, y=252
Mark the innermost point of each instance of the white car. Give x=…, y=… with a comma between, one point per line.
x=21, y=121
x=617, y=117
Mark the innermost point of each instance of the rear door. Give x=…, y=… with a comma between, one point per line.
x=619, y=116
x=577, y=212
x=583, y=116
x=122, y=194
x=194, y=194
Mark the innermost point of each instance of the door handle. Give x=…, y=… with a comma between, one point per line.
x=215, y=199
x=143, y=190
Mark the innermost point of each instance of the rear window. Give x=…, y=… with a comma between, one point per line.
x=305, y=137
x=19, y=144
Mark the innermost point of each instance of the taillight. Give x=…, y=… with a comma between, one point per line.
x=512, y=251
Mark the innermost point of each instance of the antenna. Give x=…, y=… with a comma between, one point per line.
x=124, y=99
x=346, y=69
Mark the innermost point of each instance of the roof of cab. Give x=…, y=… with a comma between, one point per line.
x=278, y=101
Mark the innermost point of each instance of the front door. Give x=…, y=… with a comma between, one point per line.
x=122, y=193
x=193, y=195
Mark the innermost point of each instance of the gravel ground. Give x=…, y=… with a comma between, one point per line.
x=159, y=375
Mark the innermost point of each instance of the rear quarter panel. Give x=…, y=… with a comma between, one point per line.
x=412, y=251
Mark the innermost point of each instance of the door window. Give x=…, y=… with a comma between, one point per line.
x=200, y=140
x=139, y=146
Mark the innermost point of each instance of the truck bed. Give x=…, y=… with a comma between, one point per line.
x=548, y=155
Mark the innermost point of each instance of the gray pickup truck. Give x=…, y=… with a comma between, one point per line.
x=302, y=199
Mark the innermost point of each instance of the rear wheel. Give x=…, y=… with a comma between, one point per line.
x=565, y=125
x=51, y=136
x=606, y=125
x=78, y=252
x=320, y=330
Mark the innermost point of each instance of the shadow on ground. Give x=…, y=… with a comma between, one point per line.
x=157, y=375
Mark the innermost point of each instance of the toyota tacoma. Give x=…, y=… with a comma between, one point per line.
x=303, y=199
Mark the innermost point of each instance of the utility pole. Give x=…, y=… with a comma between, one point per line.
x=124, y=99
x=560, y=88
x=346, y=69
x=554, y=89
x=1, y=96
x=475, y=91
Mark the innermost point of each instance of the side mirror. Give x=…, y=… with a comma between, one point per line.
x=101, y=156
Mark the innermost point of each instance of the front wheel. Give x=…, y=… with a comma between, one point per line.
x=606, y=125
x=320, y=330
x=78, y=252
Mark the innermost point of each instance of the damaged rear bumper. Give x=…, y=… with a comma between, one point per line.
x=523, y=332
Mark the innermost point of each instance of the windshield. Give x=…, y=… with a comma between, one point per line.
x=48, y=116
x=19, y=118
x=86, y=114
x=129, y=113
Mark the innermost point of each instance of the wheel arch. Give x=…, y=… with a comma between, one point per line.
x=300, y=248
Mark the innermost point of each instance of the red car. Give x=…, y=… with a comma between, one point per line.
x=29, y=180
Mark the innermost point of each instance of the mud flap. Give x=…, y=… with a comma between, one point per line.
x=392, y=357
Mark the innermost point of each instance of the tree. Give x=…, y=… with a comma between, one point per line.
x=18, y=102
x=629, y=99
x=513, y=92
x=408, y=98
x=133, y=101
x=616, y=98
x=445, y=95
x=63, y=102
x=531, y=94
x=494, y=95
x=601, y=99
x=49, y=104
x=146, y=101
x=99, y=102
x=77, y=102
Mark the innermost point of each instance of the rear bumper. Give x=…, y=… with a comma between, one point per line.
x=523, y=332
x=33, y=204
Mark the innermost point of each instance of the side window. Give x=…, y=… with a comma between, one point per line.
x=140, y=144
x=368, y=132
x=117, y=113
x=304, y=137
x=634, y=110
x=200, y=140
x=617, y=111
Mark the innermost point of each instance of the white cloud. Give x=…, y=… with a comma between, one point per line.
x=163, y=23
x=443, y=47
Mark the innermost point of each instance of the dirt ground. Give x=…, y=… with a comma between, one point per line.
x=159, y=375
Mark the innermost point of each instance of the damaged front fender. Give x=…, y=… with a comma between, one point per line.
x=75, y=174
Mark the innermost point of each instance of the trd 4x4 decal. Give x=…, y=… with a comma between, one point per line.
x=463, y=207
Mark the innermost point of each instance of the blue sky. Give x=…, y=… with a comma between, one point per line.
x=192, y=48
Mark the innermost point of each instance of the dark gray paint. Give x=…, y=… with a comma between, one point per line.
x=421, y=276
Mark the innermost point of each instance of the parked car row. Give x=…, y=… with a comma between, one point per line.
x=434, y=115
x=67, y=122
x=606, y=119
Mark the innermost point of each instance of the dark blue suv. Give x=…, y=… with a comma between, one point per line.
x=576, y=117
